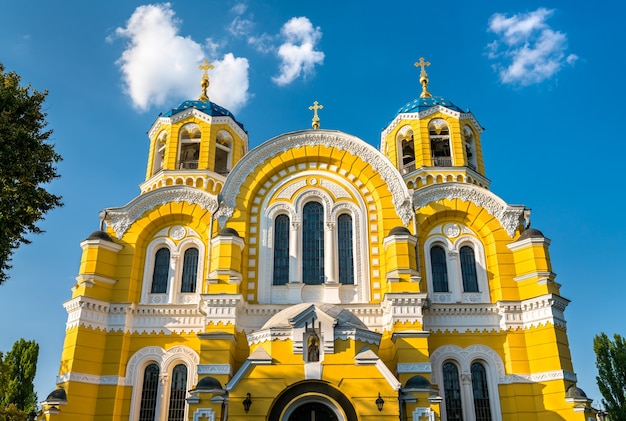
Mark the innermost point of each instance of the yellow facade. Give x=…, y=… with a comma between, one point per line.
x=316, y=277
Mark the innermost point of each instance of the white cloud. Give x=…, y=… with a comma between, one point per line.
x=528, y=50
x=298, y=53
x=160, y=66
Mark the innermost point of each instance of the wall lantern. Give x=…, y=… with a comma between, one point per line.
x=380, y=402
x=247, y=402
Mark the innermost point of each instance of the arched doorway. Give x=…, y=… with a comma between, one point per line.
x=312, y=411
x=312, y=401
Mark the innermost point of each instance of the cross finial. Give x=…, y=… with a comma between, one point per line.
x=204, y=96
x=423, y=77
x=316, y=119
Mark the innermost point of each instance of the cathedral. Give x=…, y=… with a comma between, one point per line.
x=316, y=278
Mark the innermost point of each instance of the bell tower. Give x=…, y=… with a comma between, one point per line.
x=195, y=144
x=431, y=140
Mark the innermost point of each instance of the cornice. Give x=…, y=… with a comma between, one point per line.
x=193, y=112
x=120, y=219
x=427, y=113
x=509, y=216
x=335, y=139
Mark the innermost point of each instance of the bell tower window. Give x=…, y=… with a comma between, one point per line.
x=439, y=134
x=470, y=147
x=223, y=149
x=189, y=147
x=159, y=153
x=406, y=147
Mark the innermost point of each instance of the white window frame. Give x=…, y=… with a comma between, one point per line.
x=166, y=360
x=463, y=358
x=283, y=294
x=174, y=283
x=452, y=247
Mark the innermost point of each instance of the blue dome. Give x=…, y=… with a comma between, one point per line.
x=421, y=104
x=207, y=107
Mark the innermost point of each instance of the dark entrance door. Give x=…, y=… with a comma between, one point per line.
x=313, y=411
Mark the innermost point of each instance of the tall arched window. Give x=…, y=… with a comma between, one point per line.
x=313, y=243
x=281, y=250
x=223, y=149
x=161, y=271
x=149, y=391
x=440, y=143
x=345, y=249
x=189, y=147
x=452, y=392
x=190, y=270
x=439, y=268
x=178, y=390
x=480, y=388
x=468, y=269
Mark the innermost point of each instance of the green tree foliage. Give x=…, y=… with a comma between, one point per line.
x=611, y=364
x=19, y=367
x=11, y=413
x=27, y=162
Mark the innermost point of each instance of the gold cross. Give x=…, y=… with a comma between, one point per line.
x=423, y=77
x=205, y=79
x=316, y=119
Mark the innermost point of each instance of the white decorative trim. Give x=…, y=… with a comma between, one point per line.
x=107, y=245
x=534, y=312
x=77, y=377
x=214, y=369
x=509, y=216
x=93, y=279
x=428, y=112
x=132, y=318
x=540, y=377
x=207, y=413
x=462, y=318
x=120, y=219
x=540, y=275
x=519, y=244
x=334, y=139
x=414, y=368
x=194, y=112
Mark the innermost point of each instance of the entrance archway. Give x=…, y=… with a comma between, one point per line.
x=312, y=410
x=312, y=401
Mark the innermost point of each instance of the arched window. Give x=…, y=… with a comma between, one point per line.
x=149, y=391
x=470, y=147
x=480, y=389
x=313, y=243
x=222, y=152
x=440, y=143
x=439, y=268
x=178, y=390
x=452, y=392
x=281, y=250
x=189, y=147
x=159, y=152
x=161, y=271
x=468, y=269
x=344, y=248
x=190, y=270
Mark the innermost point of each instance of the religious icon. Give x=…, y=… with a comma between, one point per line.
x=313, y=350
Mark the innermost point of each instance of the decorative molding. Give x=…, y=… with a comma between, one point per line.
x=77, y=377
x=122, y=218
x=464, y=357
x=355, y=146
x=414, y=368
x=428, y=112
x=509, y=216
x=545, y=376
x=193, y=112
x=202, y=413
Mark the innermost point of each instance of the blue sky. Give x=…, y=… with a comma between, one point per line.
x=542, y=77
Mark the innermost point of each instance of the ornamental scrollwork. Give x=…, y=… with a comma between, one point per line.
x=120, y=219
x=508, y=216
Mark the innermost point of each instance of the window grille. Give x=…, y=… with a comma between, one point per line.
x=281, y=250
x=468, y=269
x=161, y=271
x=439, y=268
x=313, y=243
x=149, y=390
x=345, y=249
x=190, y=270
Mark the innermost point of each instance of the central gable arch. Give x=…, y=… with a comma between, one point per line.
x=268, y=151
